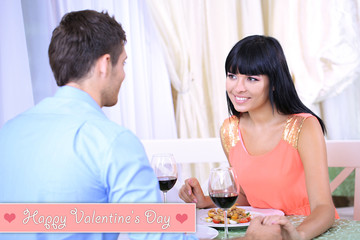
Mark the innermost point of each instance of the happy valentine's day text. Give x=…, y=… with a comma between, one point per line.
x=79, y=216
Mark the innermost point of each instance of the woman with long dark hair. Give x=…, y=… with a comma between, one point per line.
x=273, y=141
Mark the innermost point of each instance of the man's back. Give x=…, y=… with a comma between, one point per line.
x=66, y=150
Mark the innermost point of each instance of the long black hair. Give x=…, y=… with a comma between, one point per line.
x=263, y=55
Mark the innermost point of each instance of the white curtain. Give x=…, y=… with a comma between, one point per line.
x=145, y=101
x=197, y=35
x=40, y=18
x=342, y=113
x=179, y=44
x=15, y=81
x=196, y=38
x=322, y=42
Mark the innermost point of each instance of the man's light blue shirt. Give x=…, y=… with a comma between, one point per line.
x=65, y=150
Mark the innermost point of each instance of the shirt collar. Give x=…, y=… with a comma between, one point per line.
x=77, y=94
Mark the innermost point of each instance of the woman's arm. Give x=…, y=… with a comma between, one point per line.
x=312, y=150
x=242, y=200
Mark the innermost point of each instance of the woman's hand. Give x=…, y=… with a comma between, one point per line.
x=259, y=231
x=288, y=231
x=191, y=192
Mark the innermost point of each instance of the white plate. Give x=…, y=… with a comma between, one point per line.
x=206, y=232
x=201, y=214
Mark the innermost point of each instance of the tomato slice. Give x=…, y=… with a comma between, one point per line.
x=216, y=221
x=244, y=220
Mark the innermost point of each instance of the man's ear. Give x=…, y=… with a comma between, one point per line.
x=103, y=65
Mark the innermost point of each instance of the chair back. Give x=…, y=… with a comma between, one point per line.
x=192, y=150
x=345, y=153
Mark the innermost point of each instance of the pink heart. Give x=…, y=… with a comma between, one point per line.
x=181, y=217
x=9, y=217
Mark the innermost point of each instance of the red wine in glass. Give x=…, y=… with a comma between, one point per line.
x=223, y=190
x=224, y=199
x=165, y=169
x=166, y=183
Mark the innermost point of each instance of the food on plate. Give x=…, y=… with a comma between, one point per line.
x=235, y=215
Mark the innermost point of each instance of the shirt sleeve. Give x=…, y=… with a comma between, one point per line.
x=128, y=176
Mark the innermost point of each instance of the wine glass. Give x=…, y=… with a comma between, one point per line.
x=165, y=169
x=223, y=190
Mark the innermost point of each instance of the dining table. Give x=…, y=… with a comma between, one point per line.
x=341, y=229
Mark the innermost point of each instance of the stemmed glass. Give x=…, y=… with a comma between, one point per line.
x=223, y=190
x=165, y=169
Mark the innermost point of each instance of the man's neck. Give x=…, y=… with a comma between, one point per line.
x=87, y=87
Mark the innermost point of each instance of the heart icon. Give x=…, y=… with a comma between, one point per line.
x=181, y=217
x=9, y=217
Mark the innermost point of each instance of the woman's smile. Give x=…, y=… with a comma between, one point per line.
x=240, y=100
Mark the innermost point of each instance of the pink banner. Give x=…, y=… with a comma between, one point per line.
x=107, y=217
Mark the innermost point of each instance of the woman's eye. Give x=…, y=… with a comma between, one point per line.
x=231, y=76
x=252, y=79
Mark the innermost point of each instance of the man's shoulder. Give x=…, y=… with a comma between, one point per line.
x=105, y=125
x=76, y=112
x=106, y=132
